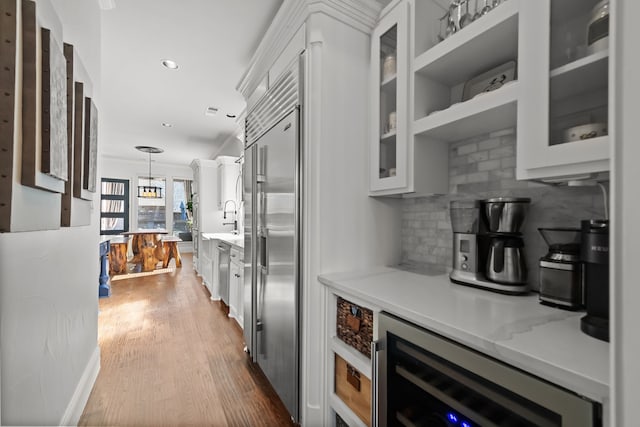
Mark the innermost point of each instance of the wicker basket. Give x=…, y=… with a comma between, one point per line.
x=354, y=326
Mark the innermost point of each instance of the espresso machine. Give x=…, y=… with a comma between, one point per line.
x=488, y=245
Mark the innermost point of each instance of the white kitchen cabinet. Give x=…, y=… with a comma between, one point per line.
x=573, y=92
x=215, y=272
x=229, y=184
x=558, y=84
x=204, y=204
x=206, y=256
x=354, y=359
x=439, y=110
x=289, y=54
x=236, y=286
x=390, y=78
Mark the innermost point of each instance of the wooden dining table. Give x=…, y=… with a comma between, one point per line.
x=147, y=247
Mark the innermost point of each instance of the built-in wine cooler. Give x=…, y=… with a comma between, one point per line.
x=422, y=379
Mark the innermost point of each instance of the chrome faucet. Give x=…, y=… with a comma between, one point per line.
x=235, y=213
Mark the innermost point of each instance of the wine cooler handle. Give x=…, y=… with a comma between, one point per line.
x=375, y=347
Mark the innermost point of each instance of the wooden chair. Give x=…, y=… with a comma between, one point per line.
x=170, y=246
x=118, y=257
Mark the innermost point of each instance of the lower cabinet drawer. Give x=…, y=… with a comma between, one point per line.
x=354, y=389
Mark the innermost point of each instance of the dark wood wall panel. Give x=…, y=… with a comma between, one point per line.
x=29, y=105
x=78, y=139
x=45, y=106
x=65, y=214
x=89, y=176
x=8, y=30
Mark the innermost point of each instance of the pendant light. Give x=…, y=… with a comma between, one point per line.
x=149, y=191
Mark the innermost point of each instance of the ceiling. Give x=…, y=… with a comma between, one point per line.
x=211, y=40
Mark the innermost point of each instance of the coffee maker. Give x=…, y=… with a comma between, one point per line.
x=594, y=253
x=560, y=270
x=488, y=245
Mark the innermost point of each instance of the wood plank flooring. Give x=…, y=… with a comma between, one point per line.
x=170, y=356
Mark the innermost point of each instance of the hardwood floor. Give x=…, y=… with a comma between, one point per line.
x=170, y=356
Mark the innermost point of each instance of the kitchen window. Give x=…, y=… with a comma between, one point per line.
x=152, y=211
x=181, y=214
x=114, y=206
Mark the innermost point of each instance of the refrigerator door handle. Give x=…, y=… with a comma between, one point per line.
x=264, y=250
x=261, y=162
x=260, y=338
x=375, y=347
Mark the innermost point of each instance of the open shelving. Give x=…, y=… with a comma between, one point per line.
x=465, y=55
x=442, y=70
x=480, y=115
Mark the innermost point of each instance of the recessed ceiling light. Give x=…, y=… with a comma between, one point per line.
x=170, y=64
x=231, y=116
x=167, y=125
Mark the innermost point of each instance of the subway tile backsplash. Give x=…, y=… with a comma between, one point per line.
x=482, y=168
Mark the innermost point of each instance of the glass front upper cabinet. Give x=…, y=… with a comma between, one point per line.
x=579, y=63
x=390, y=101
x=572, y=140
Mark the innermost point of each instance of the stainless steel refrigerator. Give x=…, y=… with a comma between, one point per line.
x=271, y=180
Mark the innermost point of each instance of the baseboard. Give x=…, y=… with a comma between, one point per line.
x=81, y=395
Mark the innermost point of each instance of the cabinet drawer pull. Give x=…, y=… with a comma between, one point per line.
x=354, y=323
x=353, y=377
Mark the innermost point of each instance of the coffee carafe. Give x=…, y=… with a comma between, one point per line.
x=505, y=263
x=487, y=244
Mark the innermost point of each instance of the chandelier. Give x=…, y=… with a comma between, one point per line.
x=149, y=191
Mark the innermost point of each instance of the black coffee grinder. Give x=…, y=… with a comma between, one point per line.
x=594, y=253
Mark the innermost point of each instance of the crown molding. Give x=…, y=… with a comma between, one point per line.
x=361, y=15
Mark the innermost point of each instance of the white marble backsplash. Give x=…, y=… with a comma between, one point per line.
x=482, y=168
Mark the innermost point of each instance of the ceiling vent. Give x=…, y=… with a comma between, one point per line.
x=211, y=111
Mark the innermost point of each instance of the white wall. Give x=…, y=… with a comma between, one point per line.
x=233, y=146
x=132, y=169
x=344, y=228
x=49, y=289
x=625, y=213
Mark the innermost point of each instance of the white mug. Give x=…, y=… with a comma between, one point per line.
x=392, y=121
x=388, y=66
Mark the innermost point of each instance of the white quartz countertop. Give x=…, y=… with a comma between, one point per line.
x=236, y=240
x=544, y=341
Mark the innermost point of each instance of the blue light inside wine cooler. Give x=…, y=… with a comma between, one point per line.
x=453, y=418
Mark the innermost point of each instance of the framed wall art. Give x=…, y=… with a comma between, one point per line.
x=38, y=107
x=55, y=136
x=90, y=172
x=44, y=91
x=8, y=57
x=67, y=196
x=80, y=202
